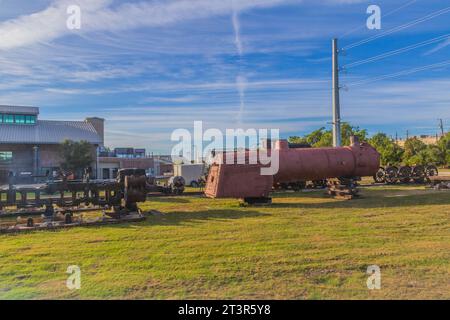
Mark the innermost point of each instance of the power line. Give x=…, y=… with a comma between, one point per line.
x=399, y=28
x=401, y=73
x=397, y=51
x=384, y=16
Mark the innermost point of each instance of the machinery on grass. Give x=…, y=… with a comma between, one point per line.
x=342, y=167
x=405, y=174
x=58, y=202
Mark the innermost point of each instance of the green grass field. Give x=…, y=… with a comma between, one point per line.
x=304, y=246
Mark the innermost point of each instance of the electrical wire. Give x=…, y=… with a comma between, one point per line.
x=399, y=28
x=401, y=73
x=384, y=16
x=397, y=51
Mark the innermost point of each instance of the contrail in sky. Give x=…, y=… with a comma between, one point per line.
x=241, y=81
x=237, y=30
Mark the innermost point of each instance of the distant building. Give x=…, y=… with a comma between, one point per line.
x=129, y=153
x=109, y=166
x=30, y=146
x=428, y=140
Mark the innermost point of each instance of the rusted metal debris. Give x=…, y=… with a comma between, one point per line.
x=296, y=165
x=405, y=174
x=53, y=224
x=123, y=193
x=57, y=201
x=440, y=182
x=343, y=188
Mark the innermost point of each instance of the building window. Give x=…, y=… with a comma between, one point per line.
x=19, y=119
x=30, y=119
x=8, y=118
x=6, y=157
x=106, y=175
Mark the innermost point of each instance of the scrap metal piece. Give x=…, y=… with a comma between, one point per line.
x=380, y=176
x=343, y=188
x=245, y=181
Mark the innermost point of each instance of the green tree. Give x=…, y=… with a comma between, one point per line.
x=76, y=156
x=436, y=155
x=297, y=139
x=444, y=146
x=415, y=152
x=390, y=152
x=349, y=130
x=324, y=138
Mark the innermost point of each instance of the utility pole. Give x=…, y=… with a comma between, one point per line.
x=336, y=100
x=441, y=126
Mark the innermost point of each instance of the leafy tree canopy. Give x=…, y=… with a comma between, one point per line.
x=391, y=153
x=324, y=138
x=76, y=156
x=414, y=151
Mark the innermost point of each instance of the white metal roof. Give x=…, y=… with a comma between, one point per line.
x=19, y=110
x=49, y=132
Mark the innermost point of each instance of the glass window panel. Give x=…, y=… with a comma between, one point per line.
x=20, y=119
x=6, y=157
x=30, y=119
x=8, y=118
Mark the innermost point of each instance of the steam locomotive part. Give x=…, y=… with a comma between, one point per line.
x=440, y=182
x=172, y=186
x=343, y=188
x=57, y=201
x=295, y=164
x=315, y=164
x=380, y=176
x=177, y=184
x=405, y=174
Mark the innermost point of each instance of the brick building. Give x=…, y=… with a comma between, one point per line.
x=30, y=146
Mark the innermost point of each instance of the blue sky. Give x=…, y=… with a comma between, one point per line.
x=150, y=67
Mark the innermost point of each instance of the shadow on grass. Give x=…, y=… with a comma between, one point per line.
x=373, y=199
x=168, y=200
x=175, y=218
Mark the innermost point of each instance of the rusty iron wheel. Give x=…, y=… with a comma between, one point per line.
x=431, y=171
x=391, y=175
x=404, y=174
x=380, y=176
x=418, y=174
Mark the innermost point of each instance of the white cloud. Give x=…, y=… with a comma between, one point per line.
x=99, y=15
x=45, y=25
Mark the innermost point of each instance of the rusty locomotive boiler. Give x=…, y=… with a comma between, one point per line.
x=342, y=166
x=357, y=160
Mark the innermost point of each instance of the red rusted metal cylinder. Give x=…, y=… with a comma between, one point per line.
x=244, y=181
x=358, y=160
